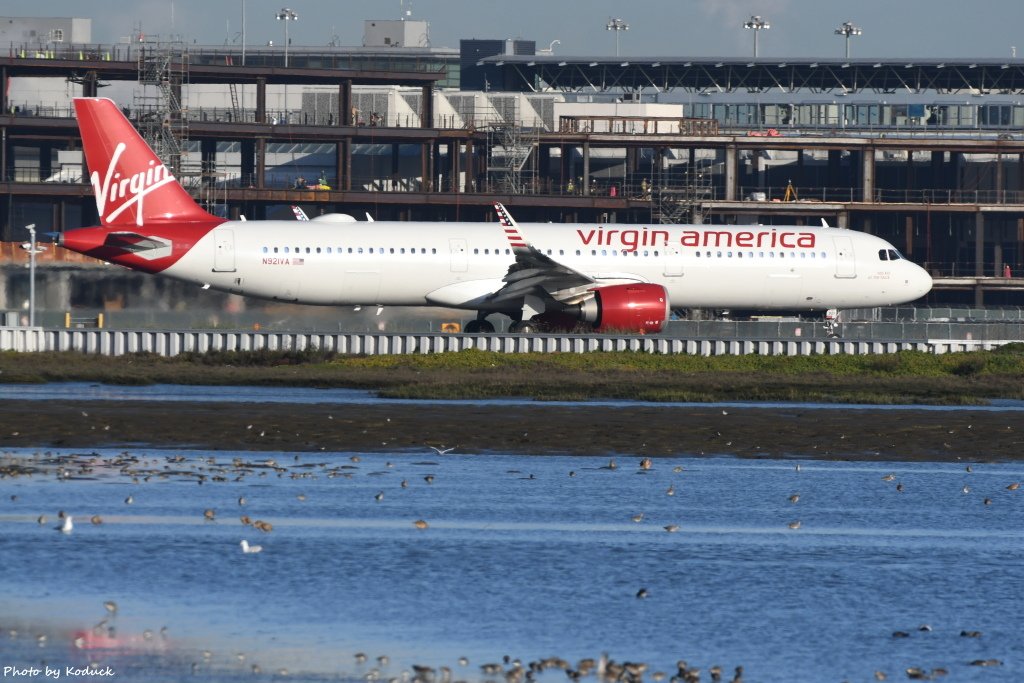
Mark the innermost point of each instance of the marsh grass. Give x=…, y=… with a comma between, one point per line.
x=905, y=377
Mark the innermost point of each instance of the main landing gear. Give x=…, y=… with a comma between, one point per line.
x=479, y=326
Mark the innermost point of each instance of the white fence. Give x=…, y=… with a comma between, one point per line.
x=173, y=342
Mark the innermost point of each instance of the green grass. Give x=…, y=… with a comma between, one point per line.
x=905, y=377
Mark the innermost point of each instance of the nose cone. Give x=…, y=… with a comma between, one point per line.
x=919, y=282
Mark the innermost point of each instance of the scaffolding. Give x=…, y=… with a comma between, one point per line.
x=682, y=198
x=511, y=158
x=160, y=116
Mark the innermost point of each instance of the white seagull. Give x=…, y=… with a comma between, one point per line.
x=67, y=526
x=442, y=451
x=249, y=549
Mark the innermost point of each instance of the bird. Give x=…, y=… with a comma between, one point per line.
x=889, y=477
x=671, y=490
x=899, y=488
x=795, y=524
x=794, y=498
x=129, y=500
x=442, y=451
x=429, y=478
x=67, y=526
x=379, y=497
x=645, y=464
x=250, y=549
x=671, y=527
x=965, y=489
x=41, y=519
x=111, y=607
x=242, y=500
x=1014, y=486
x=642, y=593
x=209, y=514
x=638, y=517
x=96, y=519
x=420, y=524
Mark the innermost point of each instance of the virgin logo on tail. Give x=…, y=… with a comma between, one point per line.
x=132, y=186
x=132, y=189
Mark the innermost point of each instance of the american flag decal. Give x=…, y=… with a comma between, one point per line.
x=511, y=229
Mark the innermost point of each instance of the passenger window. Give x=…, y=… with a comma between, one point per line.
x=318, y=250
x=359, y=250
x=275, y=250
x=286, y=250
x=264, y=250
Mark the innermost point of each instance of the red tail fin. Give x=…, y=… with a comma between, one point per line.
x=132, y=185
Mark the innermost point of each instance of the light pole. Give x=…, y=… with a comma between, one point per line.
x=848, y=29
x=286, y=15
x=31, y=274
x=243, y=32
x=756, y=23
x=616, y=25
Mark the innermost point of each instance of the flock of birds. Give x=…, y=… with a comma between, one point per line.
x=210, y=470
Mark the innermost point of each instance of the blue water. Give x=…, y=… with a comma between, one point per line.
x=85, y=391
x=520, y=559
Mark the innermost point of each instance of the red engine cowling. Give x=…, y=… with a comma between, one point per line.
x=640, y=308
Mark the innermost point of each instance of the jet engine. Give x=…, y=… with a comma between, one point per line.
x=638, y=308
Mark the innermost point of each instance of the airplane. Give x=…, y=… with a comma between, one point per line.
x=544, y=276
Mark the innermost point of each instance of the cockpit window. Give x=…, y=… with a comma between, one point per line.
x=889, y=255
x=894, y=255
x=883, y=254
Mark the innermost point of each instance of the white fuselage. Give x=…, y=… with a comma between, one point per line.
x=458, y=264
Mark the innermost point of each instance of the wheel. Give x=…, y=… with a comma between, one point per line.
x=524, y=327
x=479, y=327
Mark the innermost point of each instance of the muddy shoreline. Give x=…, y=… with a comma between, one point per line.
x=537, y=429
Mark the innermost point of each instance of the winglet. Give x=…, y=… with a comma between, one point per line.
x=515, y=239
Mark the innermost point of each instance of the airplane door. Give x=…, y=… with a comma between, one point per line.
x=673, y=262
x=460, y=259
x=224, y=254
x=846, y=264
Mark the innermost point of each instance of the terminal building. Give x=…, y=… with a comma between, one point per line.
x=927, y=154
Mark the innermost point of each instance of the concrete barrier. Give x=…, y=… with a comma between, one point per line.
x=111, y=342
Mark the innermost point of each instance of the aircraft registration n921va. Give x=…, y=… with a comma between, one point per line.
x=623, y=278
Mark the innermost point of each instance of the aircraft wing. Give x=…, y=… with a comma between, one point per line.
x=535, y=273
